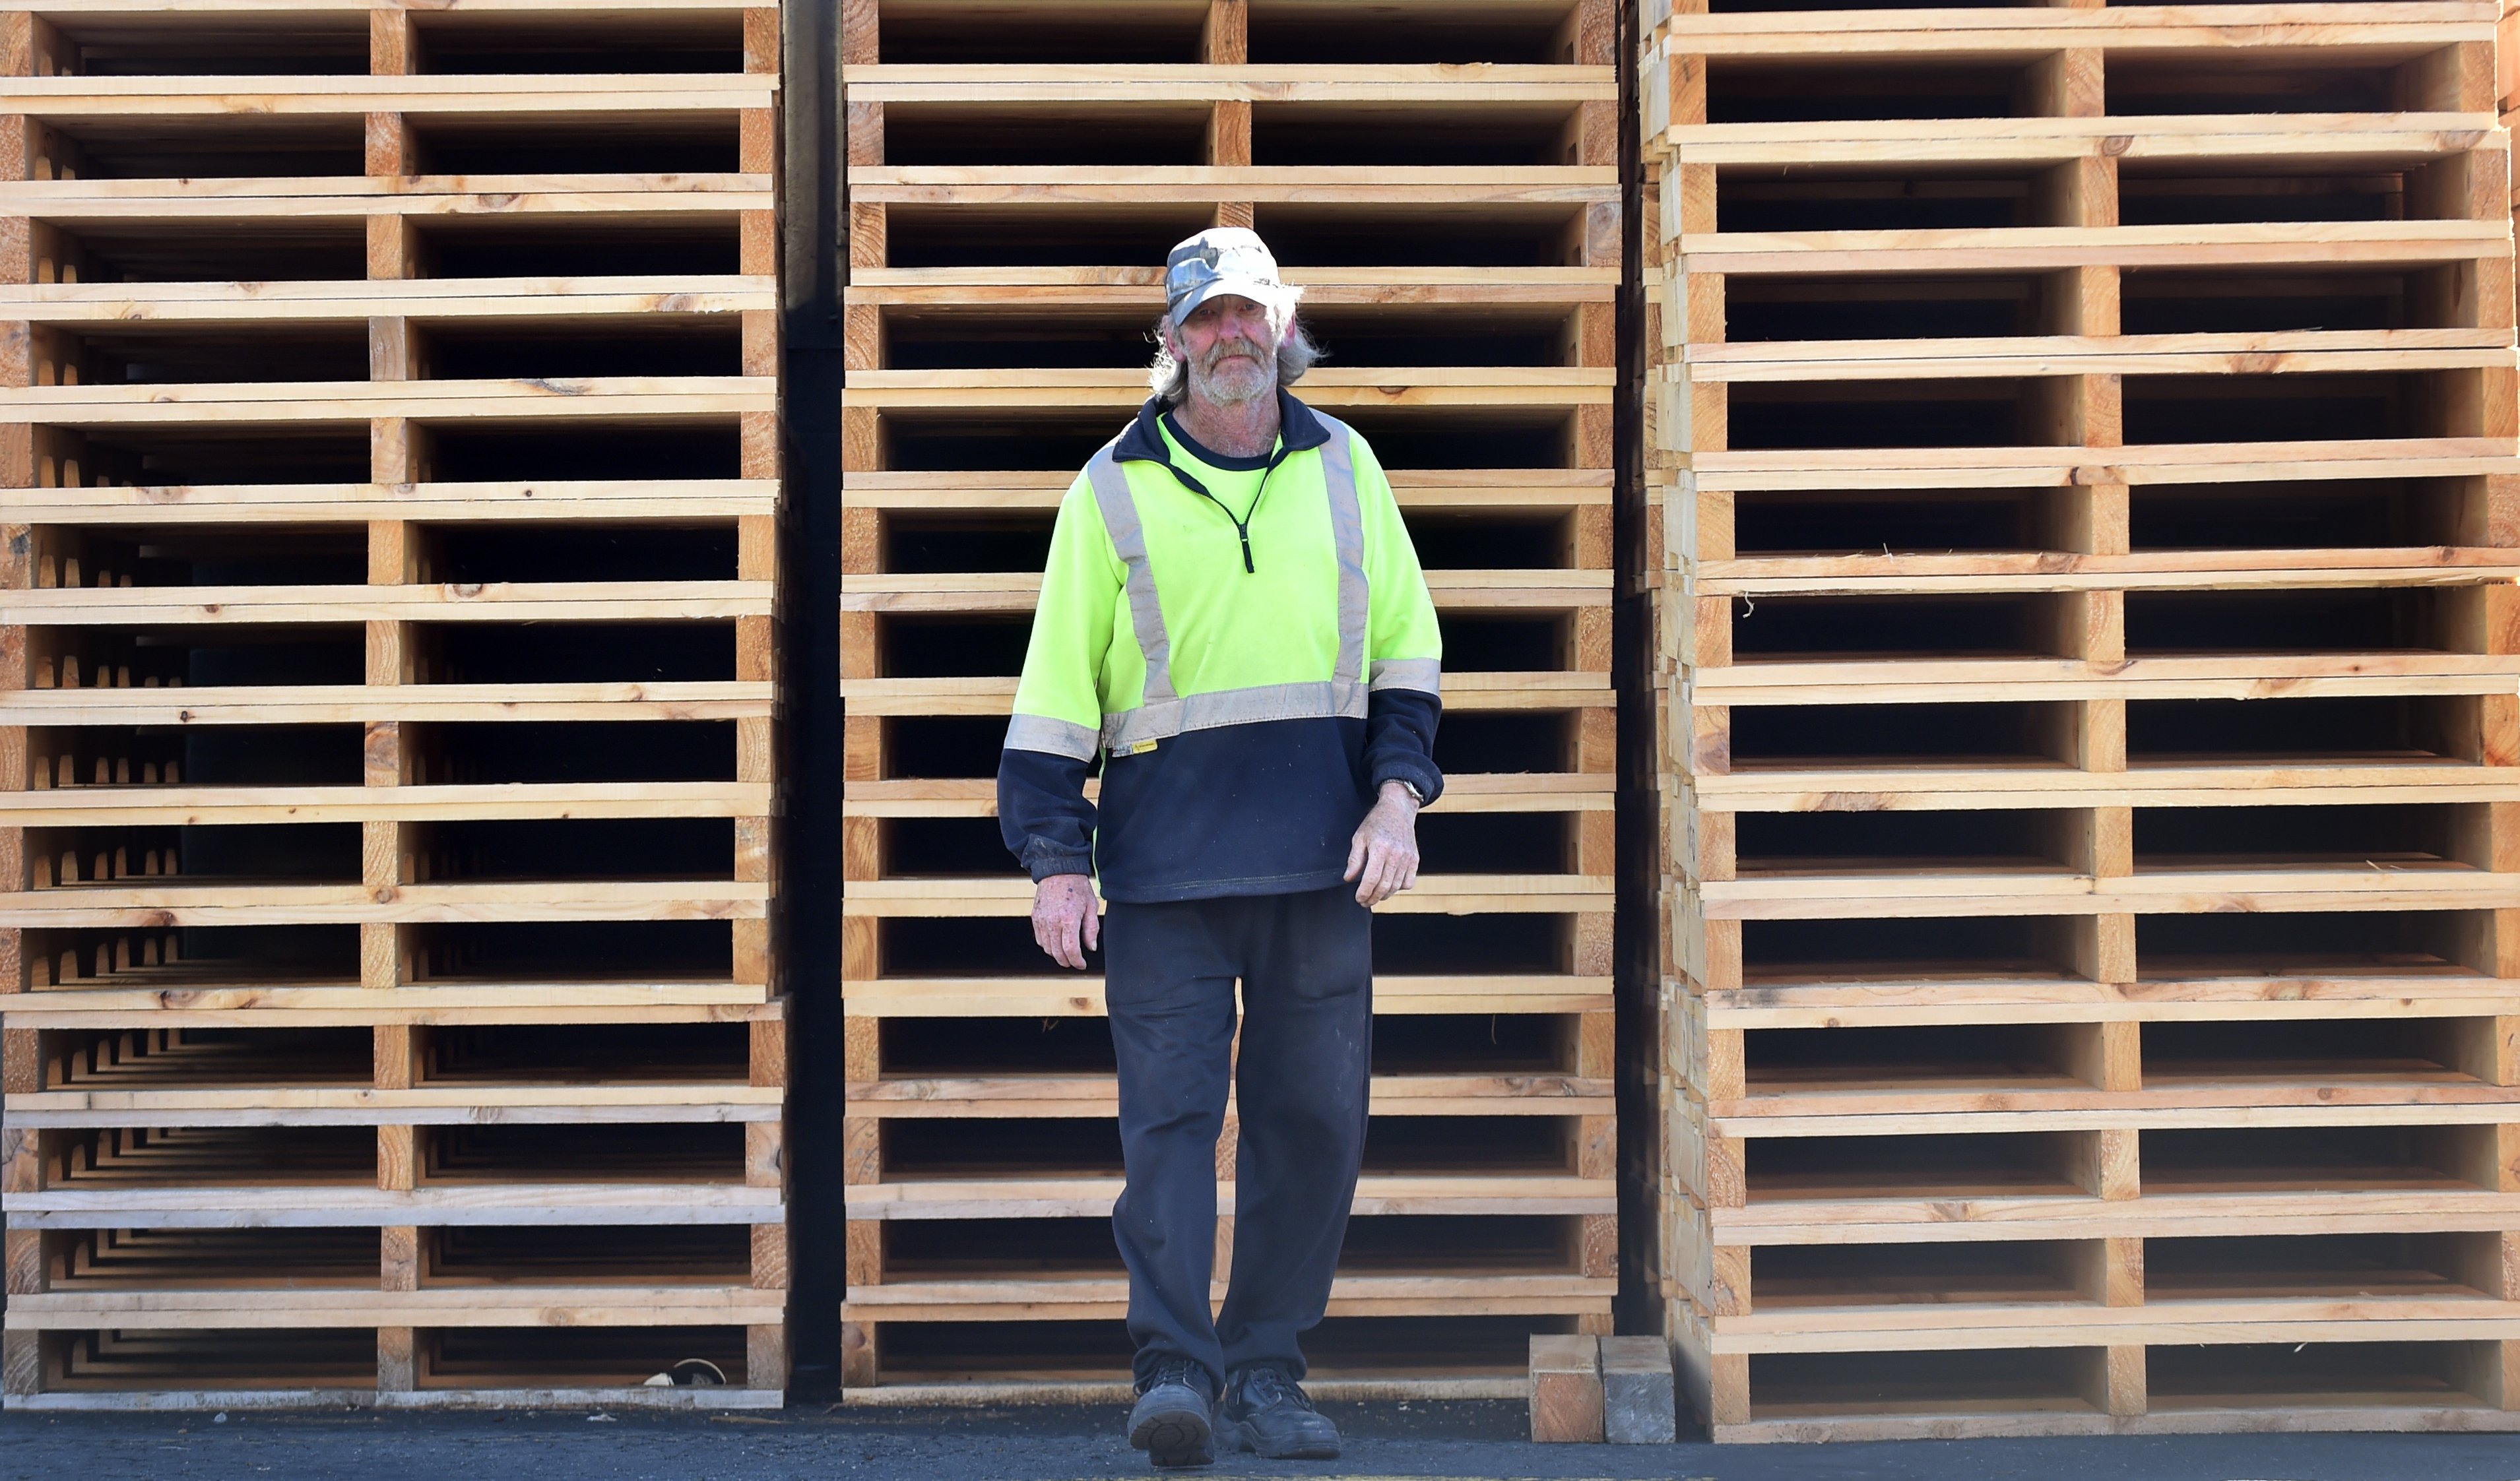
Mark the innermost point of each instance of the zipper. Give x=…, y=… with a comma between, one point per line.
x=1242, y=525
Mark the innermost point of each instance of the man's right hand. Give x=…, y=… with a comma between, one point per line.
x=1065, y=919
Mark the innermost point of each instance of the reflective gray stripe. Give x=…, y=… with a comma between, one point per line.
x=1319, y=699
x=1059, y=738
x=1129, y=541
x=1347, y=531
x=1409, y=673
x=1164, y=713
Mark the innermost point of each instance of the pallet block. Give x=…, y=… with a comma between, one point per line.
x=1638, y=1404
x=1566, y=1390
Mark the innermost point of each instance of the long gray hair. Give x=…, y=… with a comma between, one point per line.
x=1170, y=377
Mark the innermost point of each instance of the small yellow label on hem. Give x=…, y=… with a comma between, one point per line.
x=1139, y=749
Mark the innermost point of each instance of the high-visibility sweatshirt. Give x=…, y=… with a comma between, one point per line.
x=1247, y=648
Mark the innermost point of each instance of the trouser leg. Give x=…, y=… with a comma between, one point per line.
x=1307, y=1046
x=1170, y=990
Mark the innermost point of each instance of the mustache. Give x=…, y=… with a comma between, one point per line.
x=1219, y=351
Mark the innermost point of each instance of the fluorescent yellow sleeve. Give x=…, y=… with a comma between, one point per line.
x=1403, y=644
x=1059, y=706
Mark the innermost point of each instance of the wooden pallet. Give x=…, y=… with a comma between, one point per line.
x=2027, y=387
x=1012, y=190
x=400, y=388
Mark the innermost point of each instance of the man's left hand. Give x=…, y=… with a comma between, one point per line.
x=1385, y=850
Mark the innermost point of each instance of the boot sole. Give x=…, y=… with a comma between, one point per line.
x=1243, y=1437
x=1175, y=1440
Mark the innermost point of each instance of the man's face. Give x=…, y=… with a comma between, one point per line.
x=1229, y=349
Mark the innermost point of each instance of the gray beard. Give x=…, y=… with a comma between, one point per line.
x=1233, y=387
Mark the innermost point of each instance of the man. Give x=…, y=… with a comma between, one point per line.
x=1235, y=621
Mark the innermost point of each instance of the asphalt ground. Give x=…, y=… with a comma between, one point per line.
x=1418, y=1440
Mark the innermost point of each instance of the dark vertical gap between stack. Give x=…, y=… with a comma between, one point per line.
x=815, y=252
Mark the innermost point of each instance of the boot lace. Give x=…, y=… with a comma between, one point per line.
x=1178, y=1371
x=1269, y=1387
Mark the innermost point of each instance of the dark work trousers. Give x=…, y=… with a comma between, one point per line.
x=1305, y=962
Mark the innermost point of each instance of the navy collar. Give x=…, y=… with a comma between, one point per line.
x=1298, y=431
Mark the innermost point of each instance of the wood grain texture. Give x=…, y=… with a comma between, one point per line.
x=1566, y=1390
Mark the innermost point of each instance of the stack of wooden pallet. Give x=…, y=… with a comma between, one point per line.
x=2086, y=445
x=390, y=449
x=1442, y=180
x=2507, y=75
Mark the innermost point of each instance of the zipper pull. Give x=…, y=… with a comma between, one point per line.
x=1244, y=531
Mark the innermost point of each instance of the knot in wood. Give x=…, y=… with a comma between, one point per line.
x=1852, y=802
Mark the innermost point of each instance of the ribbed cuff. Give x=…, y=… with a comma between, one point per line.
x=1041, y=864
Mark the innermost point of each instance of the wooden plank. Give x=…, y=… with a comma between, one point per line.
x=2050, y=248
x=1336, y=387
x=1482, y=84
x=1969, y=787
x=223, y=1007
x=319, y=1206
x=323, y=401
x=165, y=96
x=1085, y=1298
x=652, y=1104
x=545, y=1305
x=1021, y=591
x=2311, y=140
x=1037, y=1094
x=181, y=806
x=1890, y=996
x=2409, y=28
x=1051, y=997
x=468, y=299
x=1027, y=287
x=2065, y=355
x=1890, y=1220
x=307, y=904
x=1083, y=1197
x=1560, y=186
x=1434, y=894
x=476, y=601
x=334, y=503
x=1472, y=692
x=681, y=699
x=1496, y=489
x=624, y=198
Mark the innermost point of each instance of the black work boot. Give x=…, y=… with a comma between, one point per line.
x=1264, y=1410
x=1174, y=1420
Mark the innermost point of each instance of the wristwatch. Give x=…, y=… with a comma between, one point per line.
x=1415, y=795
